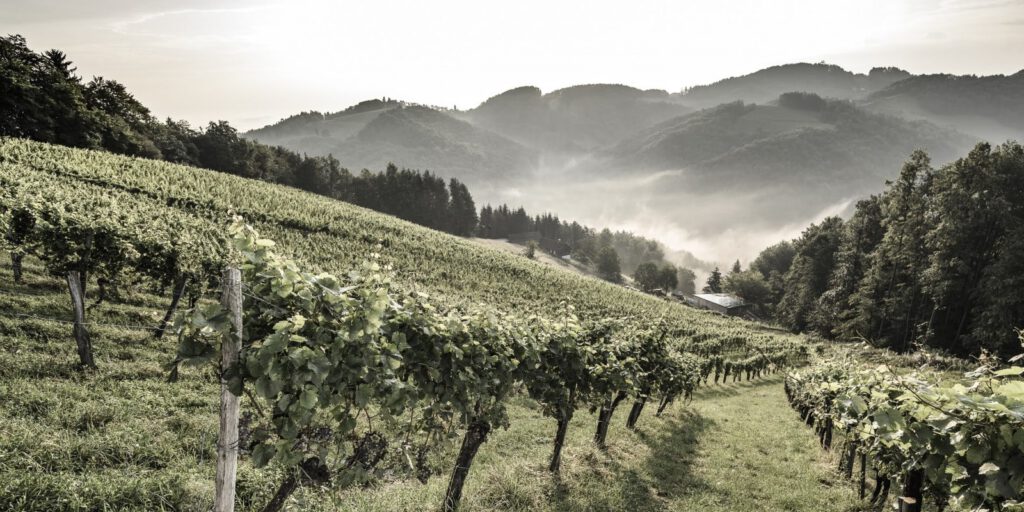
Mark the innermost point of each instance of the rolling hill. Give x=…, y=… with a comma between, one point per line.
x=765, y=85
x=798, y=137
x=325, y=233
x=786, y=160
x=575, y=119
x=650, y=162
x=374, y=133
x=991, y=107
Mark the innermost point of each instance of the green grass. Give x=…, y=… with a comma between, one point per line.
x=735, y=447
x=120, y=438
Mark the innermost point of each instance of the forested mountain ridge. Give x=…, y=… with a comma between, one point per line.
x=795, y=137
x=765, y=85
x=500, y=140
x=989, y=106
x=574, y=119
x=514, y=134
x=375, y=133
x=787, y=160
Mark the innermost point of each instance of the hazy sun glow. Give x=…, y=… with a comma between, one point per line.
x=255, y=62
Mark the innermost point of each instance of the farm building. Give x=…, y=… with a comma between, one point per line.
x=724, y=303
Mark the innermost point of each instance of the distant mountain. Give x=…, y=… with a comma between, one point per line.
x=374, y=133
x=796, y=136
x=310, y=132
x=765, y=152
x=575, y=119
x=991, y=107
x=762, y=86
x=792, y=158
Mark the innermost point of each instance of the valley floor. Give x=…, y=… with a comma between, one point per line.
x=121, y=438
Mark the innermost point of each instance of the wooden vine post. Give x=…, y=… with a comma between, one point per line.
x=227, y=440
x=79, y=329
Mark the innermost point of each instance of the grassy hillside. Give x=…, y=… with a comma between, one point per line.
x=331, y=235
x=120, y=438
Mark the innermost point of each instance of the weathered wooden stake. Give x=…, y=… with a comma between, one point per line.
x=227, y=441
x=81, y=333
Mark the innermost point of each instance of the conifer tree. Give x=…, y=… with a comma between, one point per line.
x=714, y=284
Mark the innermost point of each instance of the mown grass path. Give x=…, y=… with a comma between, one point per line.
x=737, y=447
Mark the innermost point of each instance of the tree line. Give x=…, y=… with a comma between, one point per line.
x=937, y=260
x=613, y=253
x=42, y=98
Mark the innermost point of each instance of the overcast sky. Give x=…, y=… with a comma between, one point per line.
x=254, y=62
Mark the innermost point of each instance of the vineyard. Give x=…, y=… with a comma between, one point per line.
x=425, y=340
x=357, y=356
x=958, y=444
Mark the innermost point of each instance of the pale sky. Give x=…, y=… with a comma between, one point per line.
x=253, y=63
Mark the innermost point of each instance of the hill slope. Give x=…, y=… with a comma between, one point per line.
x=990, y=107
x=765, y=85
x=372, y=134
x=798, y=155
x=331, y=235
x=575, y=119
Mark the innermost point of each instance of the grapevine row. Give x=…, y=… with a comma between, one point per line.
x=961, y=443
